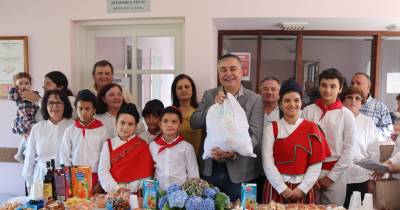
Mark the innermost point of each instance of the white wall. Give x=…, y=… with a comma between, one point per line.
x=48, y=24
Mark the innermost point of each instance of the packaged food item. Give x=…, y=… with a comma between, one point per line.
x=10, y=206
x=249, y=196
x=78, y=204
x=53, y=205
x=63, y=183
x=81, y=181
x=99, y=201
x=150, y=194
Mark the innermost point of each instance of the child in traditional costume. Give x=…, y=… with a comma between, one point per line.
x=175, y=159
x=338, y=124
x=125, y=160
x=292, y=152
x=83, y=140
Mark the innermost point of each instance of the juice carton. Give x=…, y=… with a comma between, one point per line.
x=150, y=194
x=81, y=181
x=249, y=196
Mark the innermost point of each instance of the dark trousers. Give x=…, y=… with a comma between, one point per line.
x=361, y=187
x=260, y=181
x=220, y=178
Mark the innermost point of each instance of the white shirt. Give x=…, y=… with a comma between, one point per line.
x=44, y=144
x=174, y=165
x=273, y=116
x=366, y=145
x=395, y=158
x=338, y=126
x=106, y=180
x=109, y=121
x=79, y=150
x=148, y=137
x=277, y=179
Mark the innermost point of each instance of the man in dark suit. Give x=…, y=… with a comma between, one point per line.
x=227, y=170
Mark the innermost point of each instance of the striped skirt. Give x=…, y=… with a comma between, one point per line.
x=270, y=194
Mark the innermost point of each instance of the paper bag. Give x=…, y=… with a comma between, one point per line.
x=385, y=151
x=387, y=194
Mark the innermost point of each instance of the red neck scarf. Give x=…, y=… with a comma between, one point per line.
x=164, y=145
x=92, y=125
x=325, y=108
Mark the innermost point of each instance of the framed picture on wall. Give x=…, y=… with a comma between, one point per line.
x=13, y=59
x=245, y=58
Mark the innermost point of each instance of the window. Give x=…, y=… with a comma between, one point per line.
x=146, y=56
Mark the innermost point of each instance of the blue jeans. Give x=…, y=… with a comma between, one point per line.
x=220, y=178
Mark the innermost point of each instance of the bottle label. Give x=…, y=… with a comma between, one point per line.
x=47, y=190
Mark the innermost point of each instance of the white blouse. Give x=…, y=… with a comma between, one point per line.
x=277, y=179
x=109, y=121
x=106, y=180
x=366, y=145
x=44, y=144
x=174, y=165
x=83, y=151
x=339, y=128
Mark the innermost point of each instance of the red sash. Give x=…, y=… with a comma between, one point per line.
x=92, y=125
x=304, y=147
x=325, y=108
x=164, y=145
x=131, y=161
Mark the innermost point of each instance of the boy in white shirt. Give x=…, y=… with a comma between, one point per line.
x=174, y=158
x=338, y=124
x=82, y=141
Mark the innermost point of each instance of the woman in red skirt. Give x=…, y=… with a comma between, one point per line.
x=292, y=152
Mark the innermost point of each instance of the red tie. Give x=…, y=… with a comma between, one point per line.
x=164, y=145
x=94, y=124
x=325, y=108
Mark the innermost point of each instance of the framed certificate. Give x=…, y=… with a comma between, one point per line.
x=13, y=59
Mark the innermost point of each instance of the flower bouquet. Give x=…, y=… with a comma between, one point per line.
x=194, y=194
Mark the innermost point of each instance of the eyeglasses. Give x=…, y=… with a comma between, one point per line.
x=54, y=103
x=357, y=98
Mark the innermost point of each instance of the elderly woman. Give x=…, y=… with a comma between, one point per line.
x=365, y=144
x=183, y=91
x=293, y=150
x=109, y=102
x=45, y=139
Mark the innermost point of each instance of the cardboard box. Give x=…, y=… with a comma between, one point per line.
x=387, y=194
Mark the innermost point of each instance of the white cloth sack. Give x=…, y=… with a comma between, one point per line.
x=228, y=129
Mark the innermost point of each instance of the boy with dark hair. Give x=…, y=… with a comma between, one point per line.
x=152, y=113
x=338, y=124
x=82, y=141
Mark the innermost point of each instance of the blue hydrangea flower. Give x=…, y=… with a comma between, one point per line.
x=162, y=201
x=209, y=193
x=194, y=203
x=177, y=199
x=217, y=190
x=173, y=188
x=208, y=204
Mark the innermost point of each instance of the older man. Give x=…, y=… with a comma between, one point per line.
x=227, y=170
x=373, y=107
x=103, y=73
x=269, y=90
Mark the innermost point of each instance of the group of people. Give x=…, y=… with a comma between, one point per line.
x=304, y=154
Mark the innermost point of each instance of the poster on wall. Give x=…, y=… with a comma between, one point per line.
x=115, y=6
x=13, y=59
x=245, y=59
x=393, y=82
